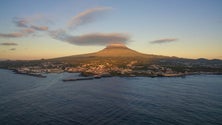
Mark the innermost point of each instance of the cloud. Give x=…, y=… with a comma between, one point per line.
x=40, y=28
x=12, y=35
x=21, y=33
x=9, y=44
x=84, y=18
x=20, y=22
x=92, y=39
x=28, y=25
x=31, y=23
x=27, y=31
x=167, y=40
x=12, y=49
x=59, y=34
x=27, y=21
x=87, y=16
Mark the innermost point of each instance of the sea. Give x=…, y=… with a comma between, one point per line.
x=190, y=100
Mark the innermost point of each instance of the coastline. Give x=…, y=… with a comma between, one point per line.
x=30, y=74
x=96, y=76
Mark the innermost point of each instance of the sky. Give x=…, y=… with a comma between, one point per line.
x=36, y=29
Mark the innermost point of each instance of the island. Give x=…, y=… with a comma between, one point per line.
x=116, y=60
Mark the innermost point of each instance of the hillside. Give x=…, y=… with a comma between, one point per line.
x=119, y=50
x=114, y=51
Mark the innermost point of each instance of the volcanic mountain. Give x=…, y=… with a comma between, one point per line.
x=111, y=51
x=120, y=54
x=117, y=50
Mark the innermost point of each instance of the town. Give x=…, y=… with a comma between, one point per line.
x=107, y=69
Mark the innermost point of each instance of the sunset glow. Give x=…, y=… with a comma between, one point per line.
x=36, y=29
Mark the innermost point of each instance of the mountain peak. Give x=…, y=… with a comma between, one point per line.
x=117, y=50
x=116, y=45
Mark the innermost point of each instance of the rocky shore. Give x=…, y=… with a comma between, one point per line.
x=99, y=71
x=30, y=74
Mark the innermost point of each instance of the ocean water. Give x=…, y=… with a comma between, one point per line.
x=27, y=100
